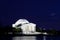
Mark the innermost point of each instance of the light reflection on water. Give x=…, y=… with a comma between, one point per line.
x=30, y=37
x=24, y=38
x=44, y=37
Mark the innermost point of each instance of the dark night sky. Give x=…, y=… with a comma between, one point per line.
x=43, y=13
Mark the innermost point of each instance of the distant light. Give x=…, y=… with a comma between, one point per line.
x=45, y=33
x=53, y=14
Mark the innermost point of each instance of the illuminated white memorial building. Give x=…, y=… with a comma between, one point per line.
x=25, y=25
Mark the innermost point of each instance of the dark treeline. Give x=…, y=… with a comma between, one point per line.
x=6, y=29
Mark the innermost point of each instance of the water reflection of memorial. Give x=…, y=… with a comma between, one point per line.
x=24, y=38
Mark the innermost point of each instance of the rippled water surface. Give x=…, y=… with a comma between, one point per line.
x=29, y=37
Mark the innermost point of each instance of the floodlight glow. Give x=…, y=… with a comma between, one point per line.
x=25, y=25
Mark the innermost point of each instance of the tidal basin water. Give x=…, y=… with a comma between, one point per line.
x=30, y=37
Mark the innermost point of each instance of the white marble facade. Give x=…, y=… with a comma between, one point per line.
x=25, y=25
